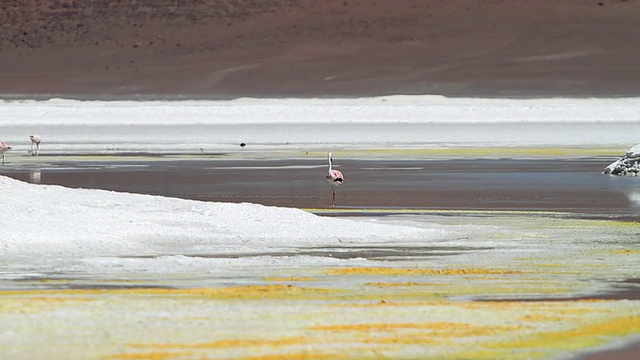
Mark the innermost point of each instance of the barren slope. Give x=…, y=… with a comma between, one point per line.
x=222, y=49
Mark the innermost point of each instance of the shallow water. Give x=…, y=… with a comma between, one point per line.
x=570, y=185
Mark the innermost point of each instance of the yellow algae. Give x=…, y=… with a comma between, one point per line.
x=292, y=278
x=395, y=338
x=35, y=304
x=441, y=325
x=440, y=333
x=585, y=335
x=555, y=306
x=386, y=294
x=439, y=302
x=499, y=290
x=614, y=223
x=475, y=287
x=400, y=284
x=230, y=343
x=547, y=271
x=260, y=292
x=557, y=315
x=235, y=292
x=514, y=289
x=295, y=356
x=575, y=338
x=511, y=354
x=431, y=212
x=370, y=327
x=440, y=336
x=562, y=312
x=371, y=313
x=245, y=344
x=64, y=281
x=544, y=265
x=98, y=281
x=417, y=271
x=155, y=355
x=482, y=151
x=397, y=296
x=199, y=318
x=53, y=292
x=542, y=318
x=626, y=251
x=51, y=299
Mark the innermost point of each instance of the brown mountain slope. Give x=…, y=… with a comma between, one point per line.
x=302, y=48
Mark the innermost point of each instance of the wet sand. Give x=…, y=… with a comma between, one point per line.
x=573, y=186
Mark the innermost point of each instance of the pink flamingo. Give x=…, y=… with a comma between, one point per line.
x=35, y=140
x=335, y=178
x=3, y=148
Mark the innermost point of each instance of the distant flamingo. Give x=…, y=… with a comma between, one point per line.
x=335, y=178
x=35, y=140
x=3, y=148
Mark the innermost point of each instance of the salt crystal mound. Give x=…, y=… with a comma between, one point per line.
x=628, y=165
x=50, y=220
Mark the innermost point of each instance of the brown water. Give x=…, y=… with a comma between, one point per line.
x=575, y=186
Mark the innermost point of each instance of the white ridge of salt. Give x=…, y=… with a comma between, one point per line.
x=53, y=220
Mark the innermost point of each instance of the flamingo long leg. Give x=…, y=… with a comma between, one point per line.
x=333, y=198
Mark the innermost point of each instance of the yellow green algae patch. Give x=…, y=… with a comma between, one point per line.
x=450, y=328
x=247, y=345
x=416, y=211
x=191, y=323
x=258, y=292
x=152, y=355
x=232, y=343
x=575, y=337
x=37, y=303
x=402, y=284
x=234, y=292
x=626, y=251
x=289, y=279
x=389, y=271
x=475, y=152
x=466, y=306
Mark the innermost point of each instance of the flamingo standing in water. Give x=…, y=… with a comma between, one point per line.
x=335, y=178
x=35, y=140
x=3, y=148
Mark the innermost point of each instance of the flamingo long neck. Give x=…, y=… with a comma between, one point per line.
x=329, y=162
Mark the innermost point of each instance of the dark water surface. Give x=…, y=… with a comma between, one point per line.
x=575, y=185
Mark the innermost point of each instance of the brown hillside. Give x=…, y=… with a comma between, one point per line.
x=302, y=48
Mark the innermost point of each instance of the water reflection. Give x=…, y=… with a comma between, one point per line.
x=35, y=176
x=634, y=197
